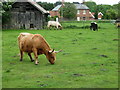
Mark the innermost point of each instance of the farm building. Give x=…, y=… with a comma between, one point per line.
x=83, y=12
x=27, y=14
x=100, y=15
x=55, y=11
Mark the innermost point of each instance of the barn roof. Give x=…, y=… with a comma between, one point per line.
x=34, y=4
x=81, y=6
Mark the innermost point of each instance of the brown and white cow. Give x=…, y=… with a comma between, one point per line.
x=35, y=43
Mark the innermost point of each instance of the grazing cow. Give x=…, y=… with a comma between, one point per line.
x=118, y=25
x=35, y=43
x=94, y=26
x=54, y=24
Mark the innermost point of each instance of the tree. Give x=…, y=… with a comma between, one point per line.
x=91, y=5
x=111, y=14
x=46, y=6
x=69, y=11
x=5, y=11
x=58, y=3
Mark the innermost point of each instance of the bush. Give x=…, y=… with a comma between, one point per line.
x=53, y=18
x=77, y=27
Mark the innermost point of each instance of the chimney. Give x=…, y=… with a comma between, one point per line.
x=83, y=2
x=63, y=2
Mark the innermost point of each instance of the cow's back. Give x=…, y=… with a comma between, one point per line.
x=29, y=42
x=25, y=42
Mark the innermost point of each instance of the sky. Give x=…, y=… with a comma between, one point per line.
x=110, y=2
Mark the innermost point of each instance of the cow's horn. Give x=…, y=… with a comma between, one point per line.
x=51, y=51
x=58, y=51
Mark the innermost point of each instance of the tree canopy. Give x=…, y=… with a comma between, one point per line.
x=109, y=11
x=46, y=6
x=69, y=11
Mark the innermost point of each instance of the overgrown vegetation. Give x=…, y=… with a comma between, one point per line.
x=109, y=11
x=5, y=11
x=89, y=59
x=68, y=11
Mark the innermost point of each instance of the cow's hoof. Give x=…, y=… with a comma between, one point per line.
x=32, y=60
x=20, y=59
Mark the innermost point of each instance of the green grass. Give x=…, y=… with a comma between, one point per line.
x=89, y=59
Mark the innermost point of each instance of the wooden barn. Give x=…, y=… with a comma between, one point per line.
x=27, y=14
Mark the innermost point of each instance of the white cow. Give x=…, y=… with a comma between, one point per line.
x=55, y=24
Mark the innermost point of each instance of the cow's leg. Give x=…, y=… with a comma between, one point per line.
x=36, y=56
x=21, y=55
x=57, y=27
x=29, y=54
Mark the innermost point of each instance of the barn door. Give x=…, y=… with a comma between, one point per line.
x=22, y=20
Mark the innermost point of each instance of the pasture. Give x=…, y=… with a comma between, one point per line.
x=89, y=59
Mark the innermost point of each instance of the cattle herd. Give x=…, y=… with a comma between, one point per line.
x=57, y=25
x=36, y=44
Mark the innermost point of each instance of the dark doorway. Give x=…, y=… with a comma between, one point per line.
x=31, y=26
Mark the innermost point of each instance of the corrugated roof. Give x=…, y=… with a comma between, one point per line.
x=81, y=6
x=78, y=6
x=34, y=4
x=56, y=8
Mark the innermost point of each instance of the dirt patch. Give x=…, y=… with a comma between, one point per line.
x=42, y=85
x=94, y=48
x=12, y=63
x=38, y=81
x=7, y=71
x=77, y=74
x=79, y=33
x=105, y=56
x=103, y=70
x=74, y=40
x=48, y=76
x=65, y=53
x=116, y=39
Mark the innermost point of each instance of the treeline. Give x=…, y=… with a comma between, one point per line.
x=49, y=6
x=109, y=11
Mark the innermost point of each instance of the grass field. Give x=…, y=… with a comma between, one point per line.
x=89, y=59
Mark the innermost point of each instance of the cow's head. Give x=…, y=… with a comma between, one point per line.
x=52, y=56
x=60, y=27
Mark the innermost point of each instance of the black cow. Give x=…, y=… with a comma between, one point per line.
x=94, y=26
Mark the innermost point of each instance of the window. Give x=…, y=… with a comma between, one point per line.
x=84, y=18
x=78, y=11
x=27, y=9
x=84, y=11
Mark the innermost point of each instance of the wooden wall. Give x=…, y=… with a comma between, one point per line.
x=26, y=16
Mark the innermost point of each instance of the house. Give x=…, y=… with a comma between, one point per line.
x=83, y=12
x=55, y=11
x=100, y=15
x=27, y=14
